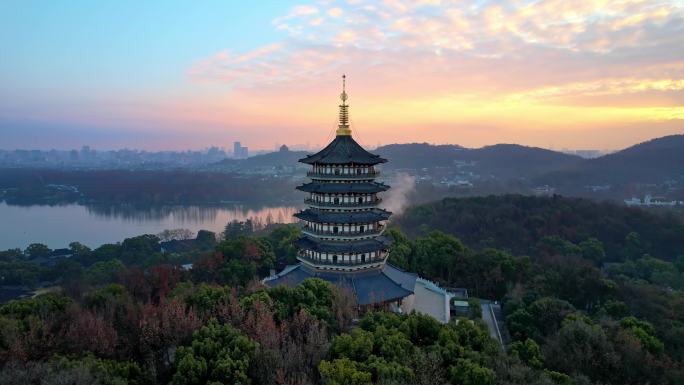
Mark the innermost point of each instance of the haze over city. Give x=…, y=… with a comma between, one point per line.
x=180, y=75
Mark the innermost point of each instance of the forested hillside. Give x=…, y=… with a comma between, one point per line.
x=597, y=287
x=654, y=161
x=592, y=294
x=518, y=223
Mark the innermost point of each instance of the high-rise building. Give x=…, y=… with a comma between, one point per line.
x=239, y=151
x=343, y=227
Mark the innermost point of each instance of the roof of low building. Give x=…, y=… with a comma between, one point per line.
x=366, y=216
x=343, y=188
x=61, y=253
x=370, y=287
x=343, y=150
x=180, y=245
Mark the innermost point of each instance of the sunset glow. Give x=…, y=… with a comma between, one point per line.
x=604, y=74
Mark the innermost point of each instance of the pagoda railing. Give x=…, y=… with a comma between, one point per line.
x=369, y=204
x=343, y=264
x=344, y=234
x=325, y=175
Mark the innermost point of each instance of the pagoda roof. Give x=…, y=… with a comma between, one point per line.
x=321, y=216
x=342, y=188
x=372, y=286
x=360, y=246
x=343, y=150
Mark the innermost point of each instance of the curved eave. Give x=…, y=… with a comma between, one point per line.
x=343, y=150
x=342, y=188
x=364, y=246
x=369, y=216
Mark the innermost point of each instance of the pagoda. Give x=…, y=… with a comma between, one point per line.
x=343, y=225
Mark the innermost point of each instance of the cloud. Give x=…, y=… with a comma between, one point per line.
x=472, y=62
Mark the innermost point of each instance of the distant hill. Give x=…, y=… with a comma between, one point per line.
x=501, y=160
x=512, y=160
x=653, y=161
x=420, y=155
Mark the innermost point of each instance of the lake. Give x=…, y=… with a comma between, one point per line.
x=57, y=226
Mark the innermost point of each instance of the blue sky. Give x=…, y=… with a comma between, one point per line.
x=145, y=43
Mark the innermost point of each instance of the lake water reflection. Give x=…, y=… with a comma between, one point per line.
x=57, y=226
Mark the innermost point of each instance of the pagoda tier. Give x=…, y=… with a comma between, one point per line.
x=345, y=217
x=343, y=150
x=343, y=188
x=364, y=246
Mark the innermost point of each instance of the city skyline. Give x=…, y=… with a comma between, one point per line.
x=602, y=75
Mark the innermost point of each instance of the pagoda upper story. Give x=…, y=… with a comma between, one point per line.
x=343, y=224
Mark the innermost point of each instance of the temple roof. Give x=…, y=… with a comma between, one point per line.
x=360, y=246
x=343, y=150
x=343, y=188
x=370, y=286
x=366, y=216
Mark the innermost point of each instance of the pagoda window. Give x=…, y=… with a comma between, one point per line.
x=335, y=230
x=363, y=258
x=337, y=200
x=337, y=171
x=360, y=199
x=335, y=258
x=358, y=171
x=362, y=229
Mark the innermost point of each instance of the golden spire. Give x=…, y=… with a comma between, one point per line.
x=343, y=127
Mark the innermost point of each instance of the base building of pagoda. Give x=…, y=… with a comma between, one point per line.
x=343, y=241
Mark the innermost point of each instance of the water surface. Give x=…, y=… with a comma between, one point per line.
x=57, y=226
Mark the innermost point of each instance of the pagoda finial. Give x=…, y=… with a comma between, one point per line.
x=343, y=126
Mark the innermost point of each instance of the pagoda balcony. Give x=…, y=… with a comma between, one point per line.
x=343, y=205
x=342, y=176
x=344, y=234
x=344, y=265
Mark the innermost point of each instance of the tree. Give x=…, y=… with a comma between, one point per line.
x=401, y=252
x=467, y=372
x=135, y=250
x=206, y=239
x=343, y=372
x=357, y=346
x=175, y=234
x=592, y=249
x=237, y=228
x=528, y=352
x=218, y=355
x=104, y=272
x=581, y=348
x=438, y=255
x=79, y=249
x=37, y=250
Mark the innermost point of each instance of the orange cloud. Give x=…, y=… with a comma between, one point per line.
x=417, y=68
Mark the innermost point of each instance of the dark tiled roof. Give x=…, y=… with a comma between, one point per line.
x=180, y=246
x=367, y=216
x=343, y=150
x=343, y=188
x=361, y=246
x=370, y=286
x=60, y=253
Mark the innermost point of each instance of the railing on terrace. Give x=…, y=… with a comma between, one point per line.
x=365, y=175
x=340, y=263
x=314, y=202
x=344, y=234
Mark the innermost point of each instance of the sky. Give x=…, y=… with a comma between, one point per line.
x=173, y=75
